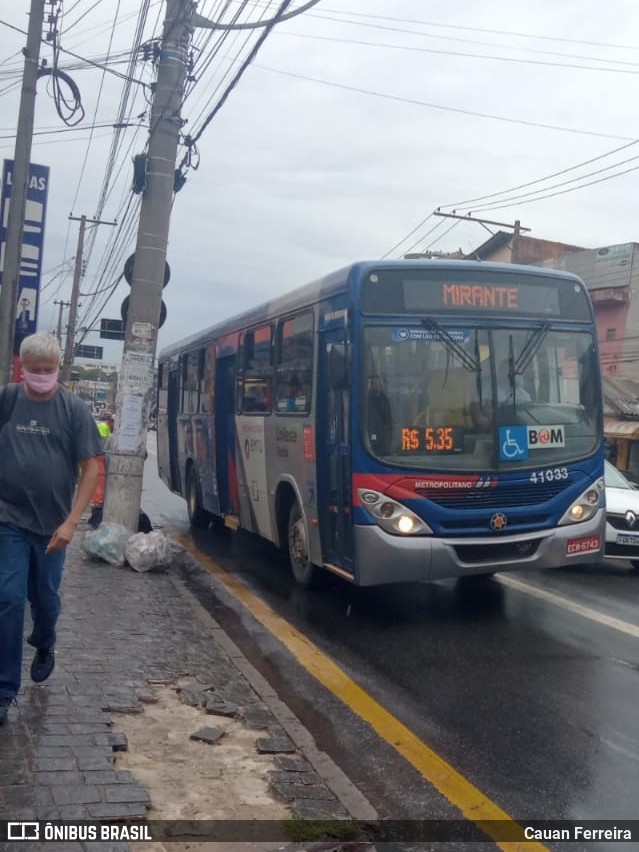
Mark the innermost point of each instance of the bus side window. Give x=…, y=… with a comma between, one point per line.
x=256, y=374
x=294, y=368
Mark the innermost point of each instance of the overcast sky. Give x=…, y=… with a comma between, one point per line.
x=355, y=121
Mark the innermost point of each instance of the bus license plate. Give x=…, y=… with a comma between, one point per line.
x=623, y=538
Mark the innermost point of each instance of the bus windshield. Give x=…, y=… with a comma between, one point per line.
x=444, y=396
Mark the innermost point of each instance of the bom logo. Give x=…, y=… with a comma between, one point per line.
x=540, y=437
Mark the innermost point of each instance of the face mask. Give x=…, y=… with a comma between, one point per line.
x=41, y=382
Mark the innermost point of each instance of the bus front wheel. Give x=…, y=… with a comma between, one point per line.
x=303, y=570
x=198, y=517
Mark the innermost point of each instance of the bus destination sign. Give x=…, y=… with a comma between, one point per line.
x=504, y=298
x=474, y=292
x=480, y=296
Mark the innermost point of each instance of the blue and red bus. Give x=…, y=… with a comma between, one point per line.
x=397, y=421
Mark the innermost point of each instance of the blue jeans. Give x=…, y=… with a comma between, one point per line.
x=26, y=572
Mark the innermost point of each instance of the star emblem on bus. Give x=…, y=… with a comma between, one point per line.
x=498, y=521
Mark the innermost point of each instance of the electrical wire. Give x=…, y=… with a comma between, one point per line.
x=459, y=110
x=539, y=180
x=278, y=19
x=245, y=64
x=408, y=235
x=78, y=56
x=499, y=206
x=456, y=53
x=412, y=32
x=483, y=30
x=97, y=106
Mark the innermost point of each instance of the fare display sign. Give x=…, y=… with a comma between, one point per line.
x=432, y=439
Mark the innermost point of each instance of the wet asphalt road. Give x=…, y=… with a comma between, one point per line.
x=535, y=704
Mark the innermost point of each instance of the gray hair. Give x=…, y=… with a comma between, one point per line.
x=40, y=345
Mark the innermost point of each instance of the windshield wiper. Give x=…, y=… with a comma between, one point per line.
x=468, y=361
x=531, y=348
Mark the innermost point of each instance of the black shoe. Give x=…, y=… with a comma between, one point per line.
x=42, y=664
x=5, y=703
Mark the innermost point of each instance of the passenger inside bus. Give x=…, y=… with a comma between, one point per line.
x=510, y=390
x=449, y=399
x=289, y=401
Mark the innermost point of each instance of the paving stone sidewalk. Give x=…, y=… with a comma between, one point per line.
x=121, y=633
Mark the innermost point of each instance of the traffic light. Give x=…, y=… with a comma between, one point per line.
x=128, y=277
x=124, y=309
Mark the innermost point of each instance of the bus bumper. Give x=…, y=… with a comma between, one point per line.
x=384, y=558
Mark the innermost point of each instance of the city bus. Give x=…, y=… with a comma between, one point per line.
x=397, y=421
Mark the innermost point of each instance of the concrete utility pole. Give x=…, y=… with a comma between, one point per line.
x=128, y=444
x=67, y=361
x=62, y=306
x=69, y=344
x=19, y=179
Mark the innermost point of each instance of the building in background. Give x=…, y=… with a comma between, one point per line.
x=611, y=274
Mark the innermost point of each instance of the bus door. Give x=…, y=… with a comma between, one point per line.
x=333, y=450
x=225, y=467
x=172, y=414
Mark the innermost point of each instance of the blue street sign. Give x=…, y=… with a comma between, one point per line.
x=32, y=242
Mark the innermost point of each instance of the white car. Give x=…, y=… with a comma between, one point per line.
x=622, y=517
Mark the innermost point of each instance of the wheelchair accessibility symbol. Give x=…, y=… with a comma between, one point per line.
x=513, y=443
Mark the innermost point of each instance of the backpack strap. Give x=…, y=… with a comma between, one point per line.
x=8, y=397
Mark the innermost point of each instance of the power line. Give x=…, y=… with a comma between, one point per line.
x=83, y=58
x=268, y=27
x=97, y=106
x=413, y=32
x=416, y=49
x=459, y=110
x=540, y=180
x=483, y=30
x=279, y=18
x=499, y=206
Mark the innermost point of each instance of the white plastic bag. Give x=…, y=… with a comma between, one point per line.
x=107, y=542
x=148, y=550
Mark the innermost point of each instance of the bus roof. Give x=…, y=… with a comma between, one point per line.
x=335, y=282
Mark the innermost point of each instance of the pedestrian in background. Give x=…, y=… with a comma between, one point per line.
x=49, y=443
x=105, y=428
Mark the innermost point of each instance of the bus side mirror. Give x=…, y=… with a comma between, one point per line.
x=339, y=372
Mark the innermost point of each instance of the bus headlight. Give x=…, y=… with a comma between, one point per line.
x=585, y=506
x=392, y=516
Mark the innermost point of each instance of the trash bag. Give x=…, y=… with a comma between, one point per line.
x=144, y=551
x=107, y=542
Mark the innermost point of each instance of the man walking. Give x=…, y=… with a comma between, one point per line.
x=48, y=443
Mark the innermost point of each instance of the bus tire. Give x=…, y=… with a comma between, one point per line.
x=198, y=517
x=303, y=570
x=635, y=564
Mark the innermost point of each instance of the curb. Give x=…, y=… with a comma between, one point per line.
x=347, y=794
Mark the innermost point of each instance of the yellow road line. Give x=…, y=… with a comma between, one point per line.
x=458, y=790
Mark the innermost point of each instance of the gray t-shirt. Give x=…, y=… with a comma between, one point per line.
x=41, y=447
